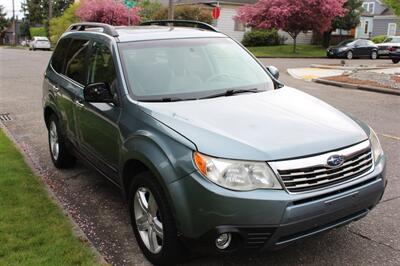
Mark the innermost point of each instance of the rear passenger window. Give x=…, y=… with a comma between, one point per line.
x=76, y=61
x=58, y=60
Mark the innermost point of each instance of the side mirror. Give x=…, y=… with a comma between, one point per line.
x=274, y=71
x=98, y=92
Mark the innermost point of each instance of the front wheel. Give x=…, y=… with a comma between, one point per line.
x=349, y=55
x=374, y=55
x=59, y=152
x=152, y=221
x=395, y=61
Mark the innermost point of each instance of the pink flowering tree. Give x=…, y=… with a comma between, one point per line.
x=112, y=12
x=292, y=16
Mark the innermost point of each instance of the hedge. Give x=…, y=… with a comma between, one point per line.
x=37, y=31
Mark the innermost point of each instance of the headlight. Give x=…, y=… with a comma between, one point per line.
x=377, y=151
x=236, y=175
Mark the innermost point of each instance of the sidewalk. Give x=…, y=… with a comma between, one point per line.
x=380, y=78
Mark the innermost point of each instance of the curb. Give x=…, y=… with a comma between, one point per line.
x=302, y=57
x=77, y=231
x=348, y=67
x=357, y=87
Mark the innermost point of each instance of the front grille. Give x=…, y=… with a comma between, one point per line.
x=358, y=161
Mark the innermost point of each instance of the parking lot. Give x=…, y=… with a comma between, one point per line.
x=98, y=208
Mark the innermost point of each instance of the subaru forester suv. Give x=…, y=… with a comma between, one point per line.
x=212, y=153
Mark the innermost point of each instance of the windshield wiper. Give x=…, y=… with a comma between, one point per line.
x=166, y=99
x=231, y=93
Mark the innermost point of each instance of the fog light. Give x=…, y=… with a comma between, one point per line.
x=223, y=240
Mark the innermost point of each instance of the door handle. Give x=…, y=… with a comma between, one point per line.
x=79, y=103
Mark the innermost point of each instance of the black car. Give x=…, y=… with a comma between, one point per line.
x=394, y=54
x=354, y=49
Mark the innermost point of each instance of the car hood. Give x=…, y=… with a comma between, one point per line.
x=272, y=125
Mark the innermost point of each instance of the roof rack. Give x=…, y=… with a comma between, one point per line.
x=82, y=26
x=180, y=23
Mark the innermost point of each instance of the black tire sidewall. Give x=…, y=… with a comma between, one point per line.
x=172, y=250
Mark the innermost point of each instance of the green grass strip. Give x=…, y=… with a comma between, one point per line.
x=33, y=230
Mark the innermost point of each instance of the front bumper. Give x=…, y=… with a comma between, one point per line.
x=336, y=53
x=394, y=55
x=268, y=219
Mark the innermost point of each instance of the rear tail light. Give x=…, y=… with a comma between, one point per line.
x=392, y=49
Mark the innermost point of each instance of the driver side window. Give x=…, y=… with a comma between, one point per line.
x=101, y=67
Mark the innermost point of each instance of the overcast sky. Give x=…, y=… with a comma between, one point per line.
x=8, y=7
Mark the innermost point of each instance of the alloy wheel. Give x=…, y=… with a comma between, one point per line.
x=350, y=55
x=374, y=55
x=148, y=220
x=54, y=144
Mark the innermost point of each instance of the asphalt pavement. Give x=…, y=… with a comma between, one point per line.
x=97, y=207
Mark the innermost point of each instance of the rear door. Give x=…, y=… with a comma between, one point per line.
x=98, y=122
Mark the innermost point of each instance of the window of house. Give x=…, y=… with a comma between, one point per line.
x=366, y=27
x=239, y=26
x=76, y=61
x=369, y=7
x=392, y=29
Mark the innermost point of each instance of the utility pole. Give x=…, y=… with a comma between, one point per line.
x=50, y=9
x=171, y=9
x=14, y=25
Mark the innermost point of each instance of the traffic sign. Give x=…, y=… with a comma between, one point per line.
x=216, y=12
x=130, y=3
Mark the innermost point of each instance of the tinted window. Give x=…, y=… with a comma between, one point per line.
x=76, y=61
x=58, y=60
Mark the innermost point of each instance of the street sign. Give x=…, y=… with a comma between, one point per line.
x=130, y=3
x=216, y=12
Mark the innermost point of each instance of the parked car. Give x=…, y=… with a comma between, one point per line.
x=42, y=43
x=394, y=54
x=354, y=49
x=212, y=152
x=388, y=43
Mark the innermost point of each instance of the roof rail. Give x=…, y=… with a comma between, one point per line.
x=180, y=23
x=82, y=26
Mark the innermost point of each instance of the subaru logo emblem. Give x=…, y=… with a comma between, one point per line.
x=335, y=160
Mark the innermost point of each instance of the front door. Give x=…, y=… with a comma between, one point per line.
x=364, y=30
x=98, y=122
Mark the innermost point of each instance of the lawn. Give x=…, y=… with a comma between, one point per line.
x=303, y=50
x=33, y=229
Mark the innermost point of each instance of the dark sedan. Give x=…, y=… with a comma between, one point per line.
x=394, y=54
x=354, y=49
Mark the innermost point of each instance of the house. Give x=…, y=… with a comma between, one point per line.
x=377, y=19
x=228, y=25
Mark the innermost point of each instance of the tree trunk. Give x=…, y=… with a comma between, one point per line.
x=294, y=37
x=326, y=38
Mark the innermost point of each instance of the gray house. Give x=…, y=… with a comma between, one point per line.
x=377, y=19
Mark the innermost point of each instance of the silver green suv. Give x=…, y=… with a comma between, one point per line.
x=212, y=152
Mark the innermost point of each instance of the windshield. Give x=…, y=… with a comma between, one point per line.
x=392, y=40
x=345, y=43
x=190, y=68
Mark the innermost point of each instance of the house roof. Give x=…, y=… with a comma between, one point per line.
x=214, y=2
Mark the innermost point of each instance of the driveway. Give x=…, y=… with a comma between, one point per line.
x=98, y=208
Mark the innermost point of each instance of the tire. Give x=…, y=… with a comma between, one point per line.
x=349, y=55
x=395, y=61
x=145, y=187
x=59, y=152
x=374, y=55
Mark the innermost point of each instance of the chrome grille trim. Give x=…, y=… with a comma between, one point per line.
x=312, y=173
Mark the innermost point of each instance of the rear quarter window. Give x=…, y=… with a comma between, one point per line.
x=58, y=60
